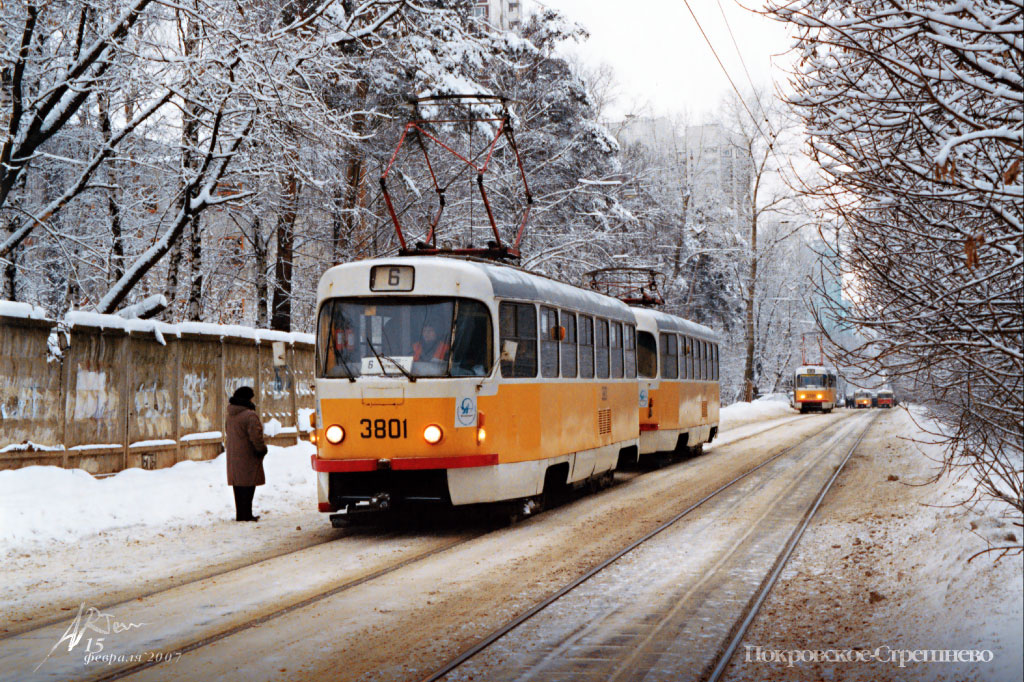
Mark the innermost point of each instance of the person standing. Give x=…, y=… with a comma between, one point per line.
x=245, y=449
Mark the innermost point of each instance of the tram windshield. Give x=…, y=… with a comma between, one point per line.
x=421, y=337
x=810, y=381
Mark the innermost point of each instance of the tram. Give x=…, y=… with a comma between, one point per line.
x=815, y=388
x=885, y=398
x=463, y=381
x=460, y=381
x=677, y=363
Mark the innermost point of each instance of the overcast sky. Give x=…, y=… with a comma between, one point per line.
x=660, y=58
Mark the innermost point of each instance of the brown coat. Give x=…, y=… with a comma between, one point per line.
x=245, y=447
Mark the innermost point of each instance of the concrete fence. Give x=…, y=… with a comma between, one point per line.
x=103, y=394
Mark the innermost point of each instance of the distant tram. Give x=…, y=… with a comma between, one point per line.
x=815, y=388
x=885, y=398
x=862, y=399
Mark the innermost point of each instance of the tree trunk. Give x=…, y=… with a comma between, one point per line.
x=113, y=207
x=189, y=149
x=260, y=251
x=194, y=310
x=281, y=320
x=748, y=369
x=10, y=276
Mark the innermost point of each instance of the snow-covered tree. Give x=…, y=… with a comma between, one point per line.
x=915, y=113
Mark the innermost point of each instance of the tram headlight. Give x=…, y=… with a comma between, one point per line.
x=334, y=434
x=433, y=434
x=481, y=434
x=819, y=396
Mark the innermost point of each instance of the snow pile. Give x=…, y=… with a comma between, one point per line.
x=759, y=410
x=40, y=505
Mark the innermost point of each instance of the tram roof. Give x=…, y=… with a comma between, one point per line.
x=510, y=282
x=667, y=322
x=818, y=369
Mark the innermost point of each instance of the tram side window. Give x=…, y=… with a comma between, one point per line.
x=630, y=344
x=686, y=355
x=568, y=345
x=701, y=360
x=714, y=362
x=586, y=347
x=616, y=349
x=669, y=357
x=646, y=355
x=518, y=330
x=549, y=337
x=601, y=343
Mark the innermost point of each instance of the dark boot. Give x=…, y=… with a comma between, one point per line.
x=243, y=502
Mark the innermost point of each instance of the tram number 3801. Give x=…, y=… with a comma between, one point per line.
x=384, y=428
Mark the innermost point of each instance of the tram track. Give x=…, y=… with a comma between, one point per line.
x=622, y=671
x=128, y=596
x=187, y=645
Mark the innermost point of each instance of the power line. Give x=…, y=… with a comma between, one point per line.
x=739, y=53
x=727, y=76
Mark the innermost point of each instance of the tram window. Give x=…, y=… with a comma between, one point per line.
x=421, y=336
x=518, y=333
x=569, y=345
x=714, y=362
x=681, y=340
x=701, y=373
x=691, y=357
x=601, y=344
x=549, y=336
x=686, y=356
x=586, y=347
x=616, y=349
x=646, y=355
x=705, y=366
x=473, y=342
x=630, y=345
x=669, y=357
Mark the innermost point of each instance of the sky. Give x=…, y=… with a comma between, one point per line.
x=661, y=61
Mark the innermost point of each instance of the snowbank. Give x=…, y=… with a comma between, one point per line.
x=41, y=504
x=759, y=410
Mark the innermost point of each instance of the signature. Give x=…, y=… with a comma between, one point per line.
x=94, y=621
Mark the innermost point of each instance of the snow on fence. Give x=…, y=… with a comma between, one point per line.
x=103, y=393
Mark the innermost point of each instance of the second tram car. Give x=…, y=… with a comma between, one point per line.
x=815, y=388
x=677, y=363
x=862, y=399
x=885, y=398
x=462, y=381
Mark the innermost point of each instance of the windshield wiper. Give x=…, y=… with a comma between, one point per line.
x=348, y=372
x=401, y=369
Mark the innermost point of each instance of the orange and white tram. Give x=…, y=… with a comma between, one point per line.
x=815, y=388
x=677, y=363
x=520, y=381
x=464, y=381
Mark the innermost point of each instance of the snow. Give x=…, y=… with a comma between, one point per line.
x=201, y=436
x=271, y=427
x=151, y=443
x=759, y=410
x=29, y=445
x=22, y=310
x=82, y=318
x=41, y=505
x=304, y=415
